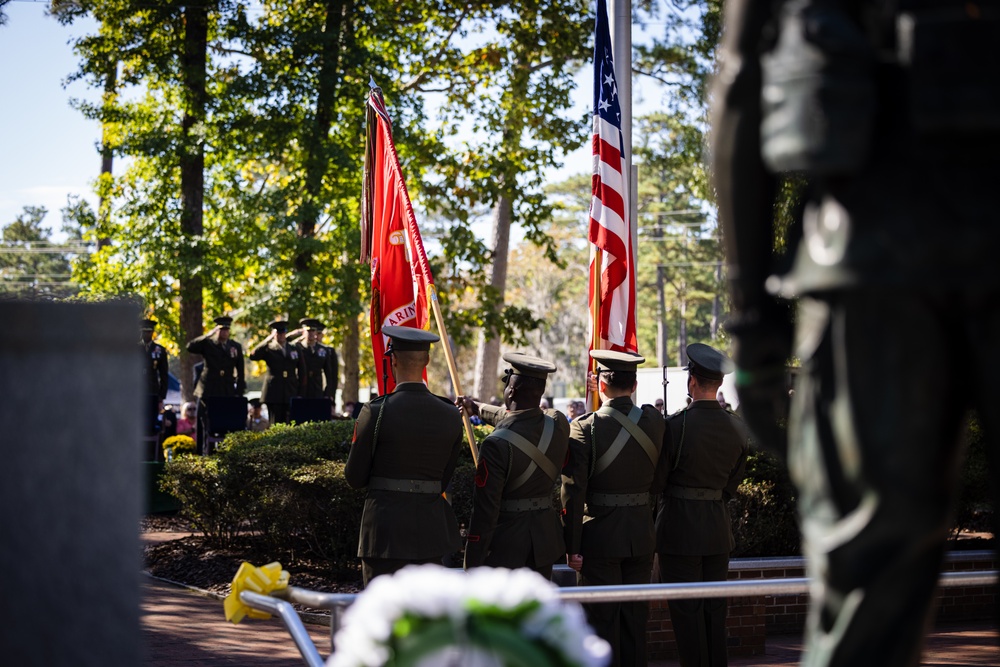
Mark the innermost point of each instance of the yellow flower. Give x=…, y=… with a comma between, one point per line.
x=179, y=443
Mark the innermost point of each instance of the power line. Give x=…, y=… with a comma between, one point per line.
x=48, y=250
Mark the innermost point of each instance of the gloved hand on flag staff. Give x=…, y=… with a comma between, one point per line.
x=467, y=405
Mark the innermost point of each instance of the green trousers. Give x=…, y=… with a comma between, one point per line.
x=886, y=379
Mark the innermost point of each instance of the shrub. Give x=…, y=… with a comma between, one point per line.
x=196, y=483
x=328, y=511
x=763, y=512
x=975, y=502
x=249, y=486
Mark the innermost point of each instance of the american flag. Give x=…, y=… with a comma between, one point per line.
x=612, y=266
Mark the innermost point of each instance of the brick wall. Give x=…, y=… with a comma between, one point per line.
x=752, y=619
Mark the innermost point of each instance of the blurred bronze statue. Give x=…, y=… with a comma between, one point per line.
x=883, y=111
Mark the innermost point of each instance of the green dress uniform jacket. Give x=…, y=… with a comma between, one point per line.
x=707, y=452
x=516, y=538
x=407, y=436
x=321, y=370
x=285, y=369
x=603, y=531
x=223, y=372
x=155, y=369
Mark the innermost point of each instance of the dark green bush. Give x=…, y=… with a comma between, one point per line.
x=763, y=512
x=195, y=481
x=250, y=487
x=326, y=511
x=975, y=502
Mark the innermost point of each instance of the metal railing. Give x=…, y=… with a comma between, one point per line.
x=337, y=602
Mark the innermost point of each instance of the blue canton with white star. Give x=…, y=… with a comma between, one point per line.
x=606, y=102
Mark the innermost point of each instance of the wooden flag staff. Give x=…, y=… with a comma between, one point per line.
x=452, y=369
x=595, y=341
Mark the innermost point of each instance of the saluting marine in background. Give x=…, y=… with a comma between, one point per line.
x=285, y=369
x=222, y=374
x=155, y=370
x=322, y=367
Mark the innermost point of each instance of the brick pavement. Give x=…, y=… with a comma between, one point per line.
x=183, y=628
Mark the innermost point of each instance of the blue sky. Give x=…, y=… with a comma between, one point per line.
x=47, y=149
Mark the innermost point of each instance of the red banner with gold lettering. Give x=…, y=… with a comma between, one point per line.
x=401, y=277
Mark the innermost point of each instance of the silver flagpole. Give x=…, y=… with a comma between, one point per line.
x=620, y=20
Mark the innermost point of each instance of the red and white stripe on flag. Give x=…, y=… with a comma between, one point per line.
x=612, y=267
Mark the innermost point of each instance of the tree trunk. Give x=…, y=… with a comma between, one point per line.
x=488, y=349
x=717, y=302
x=317, y=161
x=682, y=328
x=107, y=155
x=192, y=164
x=350, y=362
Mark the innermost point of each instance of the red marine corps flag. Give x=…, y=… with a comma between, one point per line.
x=612, y=266
x=402, y=283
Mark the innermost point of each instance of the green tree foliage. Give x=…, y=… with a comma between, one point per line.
x=242, y=131
x=32, y=265
x=556, y=292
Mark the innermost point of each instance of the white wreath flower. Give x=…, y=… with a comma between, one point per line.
x=428, y=615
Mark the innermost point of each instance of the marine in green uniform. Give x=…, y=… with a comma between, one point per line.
x=322, y=366
x=514, y=523
x=285, y=370
x=607, y=515
x=405, y=448
x=156, y=367
x=898, y=286
x=222, y=374
x=704, y=457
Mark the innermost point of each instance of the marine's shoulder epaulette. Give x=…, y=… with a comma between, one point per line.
x=445, y=399
x=678, y=412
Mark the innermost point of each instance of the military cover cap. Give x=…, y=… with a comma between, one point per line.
x=525, y=364
x=311, y=323
x=224, y=321
x=611, y=360
x=280, y=326
x=707, y=362
x=407, y=339
x=147, y=325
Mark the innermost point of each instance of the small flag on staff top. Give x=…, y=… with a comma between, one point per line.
x=402, y=283
x=612, y=266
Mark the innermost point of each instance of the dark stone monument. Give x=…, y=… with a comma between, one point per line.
x=70, y=484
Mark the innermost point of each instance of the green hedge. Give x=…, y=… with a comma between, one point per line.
x=763, y=513
x=765, y=522
x=286, y=486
